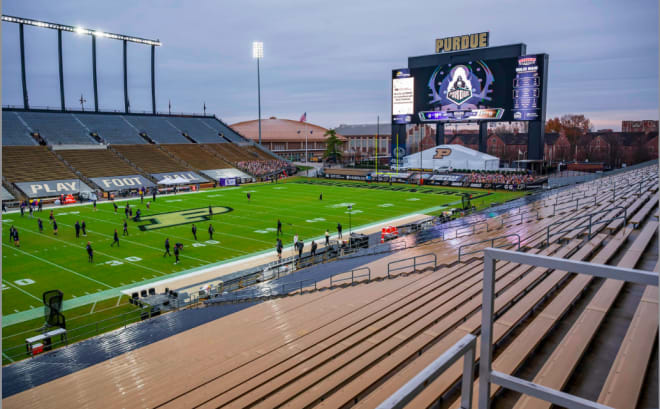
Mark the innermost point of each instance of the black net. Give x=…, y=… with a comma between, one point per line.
x=52, y=307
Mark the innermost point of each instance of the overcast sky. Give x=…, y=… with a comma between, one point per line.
x=331, y=59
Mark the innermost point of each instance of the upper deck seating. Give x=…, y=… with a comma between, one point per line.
x=58, y=128
x=112, y=128
x=223, y=129
x=32, y=164
x=97, y=162
x=198, y=129
x=14, y=133
x=157, y=128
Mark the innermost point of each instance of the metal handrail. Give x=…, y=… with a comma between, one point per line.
x=414, y=263
x=353, y=276
x=466, y=348
x=492, y=244
x=487, y=375
x=591, y=222
x=522, y=216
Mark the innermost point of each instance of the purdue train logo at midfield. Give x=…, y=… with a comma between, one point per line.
x=161, y=220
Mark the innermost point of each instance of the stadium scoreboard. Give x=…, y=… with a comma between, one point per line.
x=471, y=86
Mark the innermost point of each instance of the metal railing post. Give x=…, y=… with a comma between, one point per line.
x=486, y=353
x=414, y=263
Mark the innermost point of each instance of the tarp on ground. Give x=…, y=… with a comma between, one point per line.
x=217, y=174
x=115, y=183
x=51, y=188
x=6, y=195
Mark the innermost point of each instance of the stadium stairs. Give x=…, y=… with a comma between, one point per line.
x=355, y=345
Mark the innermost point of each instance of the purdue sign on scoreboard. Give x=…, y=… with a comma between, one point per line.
x=463, y=42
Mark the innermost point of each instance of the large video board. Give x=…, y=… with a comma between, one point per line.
x=507, y=89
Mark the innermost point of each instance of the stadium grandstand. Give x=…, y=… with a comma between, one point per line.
x=85, y=145
x=437, y=284
x=339, y=339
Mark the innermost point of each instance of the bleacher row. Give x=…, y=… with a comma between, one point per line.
x=77, y=128
x=353, y=346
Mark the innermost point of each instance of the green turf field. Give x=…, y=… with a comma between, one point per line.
x=45, y=261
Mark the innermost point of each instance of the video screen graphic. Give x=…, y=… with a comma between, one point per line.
x=403, y=96
x=504, y=89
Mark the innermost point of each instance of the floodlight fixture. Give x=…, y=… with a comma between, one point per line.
x=79, y=30
x=257, y=49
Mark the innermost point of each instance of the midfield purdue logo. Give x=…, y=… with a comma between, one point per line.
x=464, y=42
x=161, y=220
x=441, y=153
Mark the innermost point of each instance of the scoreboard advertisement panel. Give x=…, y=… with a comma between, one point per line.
x=505, y=89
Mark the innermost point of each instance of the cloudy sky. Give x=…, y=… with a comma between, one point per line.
x=332, y=59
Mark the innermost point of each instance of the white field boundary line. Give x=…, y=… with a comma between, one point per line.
x=21, y=290
x=73, y=245
x=59, y=266
x=267, y=253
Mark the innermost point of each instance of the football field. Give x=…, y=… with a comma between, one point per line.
x=45, y=261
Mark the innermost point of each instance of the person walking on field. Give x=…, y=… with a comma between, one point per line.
x=279, y=227
x=176, y=254
x=321, y=196
x=194, y=231
x=77, y=227
x=167, y=248
x=54, y=227
x=115, y=206
x=279, y=249
x=90, y=252
x=211, y=230
x=125, y=232
x=210, y=213
x=248, y=197
x=84, y=228
x=41, y=225
x=115, y=239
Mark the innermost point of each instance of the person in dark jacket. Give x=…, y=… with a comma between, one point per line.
x=54, y=227
x=314, y=246
x=211, y=230
x=115, y=239
x=90, y=252
x=125, y=232
x=167, y=248
x=77, y=227
x=41, y=225
x=279, y=249
x=339, y=229
x=176, y=254
x=84, y=228
x=194, y=231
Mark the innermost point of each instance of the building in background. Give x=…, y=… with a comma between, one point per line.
x=288, y=138
x=645, y=126
x=361, y=141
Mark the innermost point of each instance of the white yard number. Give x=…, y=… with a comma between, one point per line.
x=114, y=263
x=25, y=281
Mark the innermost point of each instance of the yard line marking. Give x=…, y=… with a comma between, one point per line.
x=57, y=265
x=21, y=290
x=74, y=245
x=5, y=355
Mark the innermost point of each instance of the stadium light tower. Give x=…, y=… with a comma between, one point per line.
x=258, y=53
x=21, y=21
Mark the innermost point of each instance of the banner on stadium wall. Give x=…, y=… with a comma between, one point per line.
x=50, y=188
x=228, y=182
x=114, y=183
x=217, y=174
x=191, y=177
